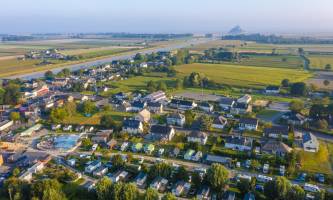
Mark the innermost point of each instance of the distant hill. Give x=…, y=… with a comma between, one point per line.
x=237, y=30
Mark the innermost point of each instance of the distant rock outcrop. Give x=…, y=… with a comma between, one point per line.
x=237, y=30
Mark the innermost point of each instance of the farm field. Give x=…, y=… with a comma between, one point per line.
x=320, y=162
x=244, y=76
x=287, y=61
x=319, y=61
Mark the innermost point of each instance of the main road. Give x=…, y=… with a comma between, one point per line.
x=85, y=65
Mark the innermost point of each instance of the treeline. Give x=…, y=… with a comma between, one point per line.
x=16, y=38
x=137, y=35
x=274, y=39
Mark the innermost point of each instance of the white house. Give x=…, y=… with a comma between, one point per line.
x=6, y=124
x=92, y=166
x=176, y=119
x=197, y=137
x=250, y=124
x=206, y=107
x=132, y=126
x=246, y=99
x=119, y=176
x=238, y=143
x=143, y=116
x=219, y=122
x=310, y=142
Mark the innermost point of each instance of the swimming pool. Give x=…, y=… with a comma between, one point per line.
x=65, y=142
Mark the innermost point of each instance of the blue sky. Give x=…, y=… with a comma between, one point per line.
x=165, y=16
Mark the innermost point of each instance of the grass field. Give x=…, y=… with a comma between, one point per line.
x=319, y=61
x=320, y=162
x=79, y=119
x=273, y=61
x=243, y=76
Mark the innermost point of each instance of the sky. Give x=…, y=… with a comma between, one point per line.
x=165, y=16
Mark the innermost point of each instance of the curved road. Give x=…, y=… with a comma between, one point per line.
x=89, y=64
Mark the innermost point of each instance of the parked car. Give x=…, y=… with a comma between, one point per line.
x=301, y=177
x=320, y=178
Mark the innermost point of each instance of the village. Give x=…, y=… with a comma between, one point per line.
x=144, y=130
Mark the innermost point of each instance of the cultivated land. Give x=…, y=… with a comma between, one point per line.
x=320, y=61
x=244, y=76
x=283, y=61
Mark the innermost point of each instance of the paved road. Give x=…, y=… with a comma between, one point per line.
x=125, y=56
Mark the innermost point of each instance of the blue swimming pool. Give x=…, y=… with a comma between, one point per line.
x=65, y=142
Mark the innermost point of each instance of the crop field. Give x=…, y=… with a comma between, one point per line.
x=319, y=61
x=318, y=162
x=244, y=76
x=273, y=61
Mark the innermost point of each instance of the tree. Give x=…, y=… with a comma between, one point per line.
x=151, y=86
x=70, y=108
x=17, y=189
x=64, y=73
x=130, y=192
x=181, y=174
x=179, y=84
x=12, y=94
x=296, y=106
x=49, y=75
x=169, y=196
x=298, y=89
x=151, y=194
x=16, y=172
x=255, y=164
x=57, y=115
x=285, y=83
x=326, y=82
x=295, y=193
x=189, y=118
x=277, y=189
x=117, y=161
x=139, y=57
x=160, y=170
x=321, y=124
x=88, y=107
x=196, y=180
x=217, y=177
x=47, y=189
x=15, y=116
x=86, y=143
x=244, y=185
x=328, y=67
x=108, y=122
x=205, y=123
x=162, y=86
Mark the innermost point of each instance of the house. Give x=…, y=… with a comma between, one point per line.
x=181, y=188
x=6, y=124
x=294, y=118
x=149, y=148
x=241, y=108
x=89, y=185
x=112, y=143
x=124, y=146
x=154, y=97
x=93, y=166
x=226, y=103
x=121, y=96
x=246, y=99
x=31, y=130
x=159, y=184
x=101, y=171
x=143, y=65
x=182, y=104
x=238, y=143
x=132, y=126
x=209, y=159
x=137, y=147
x=229, y=195
x=276, y=147
x=176, y=119
x=99, y=139
x=250, y=124
x=143, y=116
x=137, y=106
x=205, y=106
x=249, y=196
x=203, y=193
x=141, y=180
x=155, y=107
x=219, y=122
x=272, y=89
x=310, y=142
x=71, y=162
x=277, y=132
x=162, y=132
x=188, y=155
x=197, y=156
x=27, y=175
x=119, y=176
x=67, y=128
x=197, y=137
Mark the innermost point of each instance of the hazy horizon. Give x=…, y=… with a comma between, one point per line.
x=151, y=16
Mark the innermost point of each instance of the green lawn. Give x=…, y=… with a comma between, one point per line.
x=243, y=76
x=320, y=162
x=293, y=62
x=268, y=115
